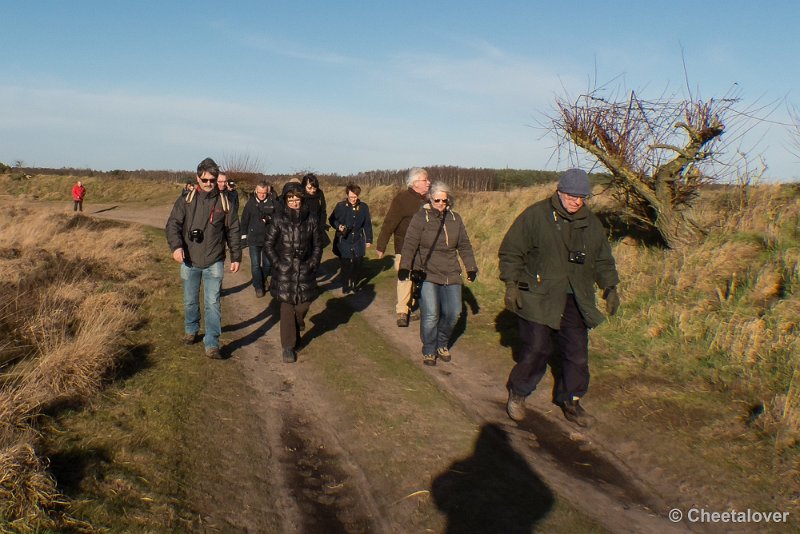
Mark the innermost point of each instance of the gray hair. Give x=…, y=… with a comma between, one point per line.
x=413, y=174
x=441, y=187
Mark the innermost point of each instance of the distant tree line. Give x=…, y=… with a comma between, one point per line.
x=458, y=178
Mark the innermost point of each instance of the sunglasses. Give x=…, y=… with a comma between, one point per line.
x=439, y=200
x=207, y=181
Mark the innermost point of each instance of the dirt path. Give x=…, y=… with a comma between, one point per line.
x=280, y=464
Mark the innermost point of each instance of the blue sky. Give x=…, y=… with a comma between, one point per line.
x=348, y=86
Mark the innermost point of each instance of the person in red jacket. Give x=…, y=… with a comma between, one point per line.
x=78, y=192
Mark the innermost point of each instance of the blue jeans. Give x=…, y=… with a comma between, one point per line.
x=439, y=306
x=259, y=266
x=212, y=288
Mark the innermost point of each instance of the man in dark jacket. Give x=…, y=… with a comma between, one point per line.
x=403, y=207
x=550, y=259
x=199, y=227
x=257, y=214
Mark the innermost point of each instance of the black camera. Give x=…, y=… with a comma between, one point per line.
x=418, y=276
x=577, y=256
x=196, y=235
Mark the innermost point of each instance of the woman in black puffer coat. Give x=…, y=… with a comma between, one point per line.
x=293, y=245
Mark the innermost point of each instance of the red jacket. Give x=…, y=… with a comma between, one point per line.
x=78, y=192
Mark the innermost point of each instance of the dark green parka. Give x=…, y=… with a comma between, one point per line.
x=535, y=251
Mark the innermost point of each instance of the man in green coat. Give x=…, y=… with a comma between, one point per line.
x=550, y=259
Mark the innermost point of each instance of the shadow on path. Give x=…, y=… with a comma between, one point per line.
x=270, y=315
x=492, y=491
x=228, y=291
x=337, y=312
x=468, y=304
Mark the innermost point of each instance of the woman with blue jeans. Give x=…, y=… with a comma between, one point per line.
x=435, y=239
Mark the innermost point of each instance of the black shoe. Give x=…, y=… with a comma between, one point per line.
x=402, y=320
x=289, y=356
x=574, y=412
x=259, y=292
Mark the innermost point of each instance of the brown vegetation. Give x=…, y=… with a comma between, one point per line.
x=68, y=304
x=656, y=172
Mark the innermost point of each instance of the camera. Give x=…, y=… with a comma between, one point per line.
x=577, y=256
x=196, y=235
x=418, y=276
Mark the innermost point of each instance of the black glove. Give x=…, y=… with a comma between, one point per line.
x=472, y=275
x=402, y=274
x=612, y=299
x=513, y=298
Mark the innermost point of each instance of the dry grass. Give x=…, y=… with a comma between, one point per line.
x=63, y=280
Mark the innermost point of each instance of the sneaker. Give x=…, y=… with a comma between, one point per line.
x=414, y=316
x=402, y=320
x=289, y=356
x=515, y=407
x=190, y=339
x=443, y=354
x=213, y=353
x=429, y=359
x=259, y=292
x=574, y=412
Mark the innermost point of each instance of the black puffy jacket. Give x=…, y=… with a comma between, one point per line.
x=293, y=245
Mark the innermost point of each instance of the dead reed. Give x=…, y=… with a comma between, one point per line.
x=67, y=284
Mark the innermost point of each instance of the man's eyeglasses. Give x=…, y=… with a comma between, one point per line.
x=207, y=181
x=439, y=200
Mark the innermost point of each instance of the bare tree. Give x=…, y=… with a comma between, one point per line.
x=654, y=150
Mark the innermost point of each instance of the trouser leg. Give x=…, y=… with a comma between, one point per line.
x=403, y=289
x=191, y=277
x=292, y=315
x=212, y=289
x=573, y=342
x=533, y=356
x=355, y=276
x=429, y=317
x=255, y=267
x=449, y=310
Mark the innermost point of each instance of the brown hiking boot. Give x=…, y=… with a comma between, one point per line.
x=574, y=412
x=289, y=356
x=515, y=407
x=402, y=320
x=443, y=354
x=214, y=353
x=429, y=359
x=414, y=316
x=189, y=339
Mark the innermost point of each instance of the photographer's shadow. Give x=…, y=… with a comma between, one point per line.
x=492, y=491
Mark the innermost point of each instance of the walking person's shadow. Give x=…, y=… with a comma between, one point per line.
x=468, y=304
x=337, y=312
x=492, y=491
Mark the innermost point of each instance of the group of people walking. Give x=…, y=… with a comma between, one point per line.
x=550, y=259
